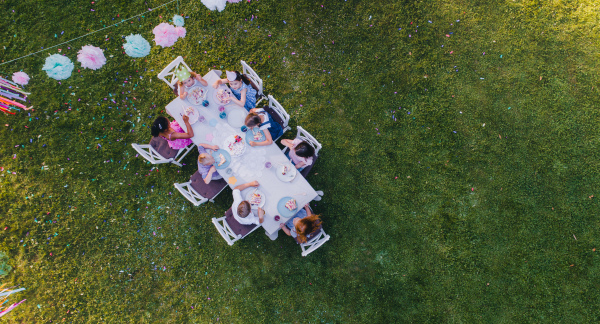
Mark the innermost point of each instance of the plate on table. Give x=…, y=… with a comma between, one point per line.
x=192, y=114
x=284, y=210
x=217, y=156
x=236, y=117
x=257, y=136
x=290, y=172
x=256, y=198
x=223, y=95
x=196, y=95
x=234, y=145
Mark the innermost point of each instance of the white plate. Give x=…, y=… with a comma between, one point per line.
x=289, y=175
x=217, y=100
x=193, y=115
x=236, y=117
x=196, y=95
x=229, y=140
x=262, y=199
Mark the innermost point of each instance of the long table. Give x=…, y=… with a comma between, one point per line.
x=273, y=188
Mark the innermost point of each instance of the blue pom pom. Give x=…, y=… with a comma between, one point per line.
x=58, y=67
x=136, y=46
x=178, y=21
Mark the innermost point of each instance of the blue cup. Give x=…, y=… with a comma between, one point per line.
x=205, y=103
x=244, y=128
x=223, y=115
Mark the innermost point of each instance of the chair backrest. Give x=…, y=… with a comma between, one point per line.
x=190, y=194
x=230, y=229
x=306, y=136
x=314, y=243
x=169, y=71
x=285, y=117
x=249, y=72
x=150, y=154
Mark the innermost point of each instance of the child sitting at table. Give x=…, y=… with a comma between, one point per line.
x=242, y=88
x=172, y=132
x=206, y=163
x=242, y=211
x=259, y=118
x=301, y=152
x=186, y=81
x=302, y=225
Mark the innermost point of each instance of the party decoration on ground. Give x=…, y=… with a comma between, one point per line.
x=165, y=35
x=136, y=46
x=178, y=21
x=20, y=78
x=58, y=67
x=214, y=4
x=180, y=32
x=10, y=91
x=91, y=57
x=4, y=293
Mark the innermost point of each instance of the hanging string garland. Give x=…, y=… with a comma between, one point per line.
x=136, y=46
x=58, y=67
x=91, y=57
x=20, y=78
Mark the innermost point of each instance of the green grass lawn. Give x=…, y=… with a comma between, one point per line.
x=459, y=165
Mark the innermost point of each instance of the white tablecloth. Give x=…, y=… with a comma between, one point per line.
x=250, y=165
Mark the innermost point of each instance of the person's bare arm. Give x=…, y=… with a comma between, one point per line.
x=268, y=139
x=285, y=229
x=209, y=174
x=190, y=130
x=246, y=185
x=300, y=165
x=261, y=215
x=201, y=80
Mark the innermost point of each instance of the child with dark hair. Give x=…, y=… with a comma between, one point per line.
x=302, y=225
x=242, y=88
x=241, y=208
x=172, y=132
x=259, y=118
x=301, y=152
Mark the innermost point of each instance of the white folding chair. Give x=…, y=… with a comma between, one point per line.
x=190, y=194
x=170, y=71
x=314, y=243
x=249, y=72
x=285, y=117
x=188, y=191
x=150, y=154
x=232, y=234
x=306, y=136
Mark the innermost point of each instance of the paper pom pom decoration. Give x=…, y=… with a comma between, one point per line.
x=165, y=35
x=180, y=32
x=214, y=4
x=91, y=57
x=178, y=21
x=136, y=46
x=20, y=78
x=58, y=67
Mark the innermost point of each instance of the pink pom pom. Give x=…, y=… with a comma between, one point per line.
x=165, y=35
x=91, y=57
x=20, y=78
x=180, y=31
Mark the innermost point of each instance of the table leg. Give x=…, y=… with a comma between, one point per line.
x=273, y=236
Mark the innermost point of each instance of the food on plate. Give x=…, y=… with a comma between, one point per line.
x=255, y=199
x=222, y=160
x=257, y=136
x=234, y=145
x=291, y=204
x=223, y=95
x=189, y=110
x=285, y=170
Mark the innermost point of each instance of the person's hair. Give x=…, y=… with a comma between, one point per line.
x=160, y=125
x=241, y=77
x=203, y=158
x=305, y=150
x=306, y=226
x=243, y=209
x=252, y=119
